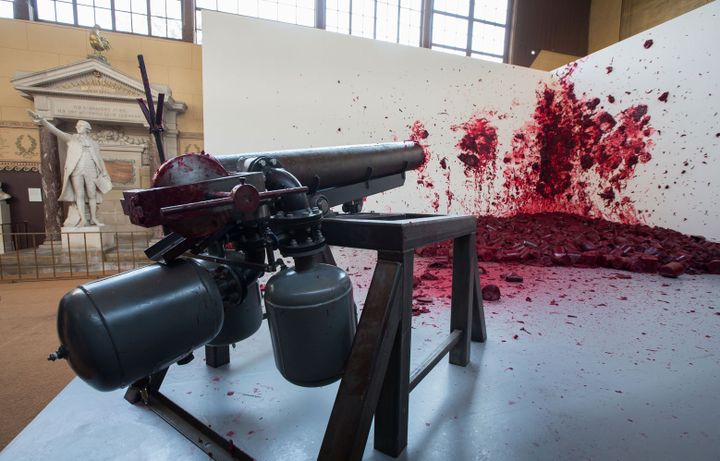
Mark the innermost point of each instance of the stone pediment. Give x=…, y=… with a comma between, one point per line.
x=89, y=78
x=93, y=91
x=95, y=83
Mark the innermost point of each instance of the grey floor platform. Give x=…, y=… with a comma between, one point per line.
x=602, y=367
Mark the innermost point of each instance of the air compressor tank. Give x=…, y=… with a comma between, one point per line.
x=117, y=330
x=312, y=320
x=241, y=320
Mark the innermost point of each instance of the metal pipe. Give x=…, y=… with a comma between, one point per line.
x=277, y=179
x=340, y=165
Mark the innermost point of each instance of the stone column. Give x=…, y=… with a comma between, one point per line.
x=51, y=182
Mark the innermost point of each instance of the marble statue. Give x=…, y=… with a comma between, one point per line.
x=85, y=178
x=4, y=195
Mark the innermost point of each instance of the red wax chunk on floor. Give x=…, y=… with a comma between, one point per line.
x=513, y=278
x=672, y=269
x=563, y=239
x=490, y=293
x=713, y=266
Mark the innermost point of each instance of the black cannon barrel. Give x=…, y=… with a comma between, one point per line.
x=339, y=165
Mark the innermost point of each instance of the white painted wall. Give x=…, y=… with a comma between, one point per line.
x=684, y=61
x=269, y=85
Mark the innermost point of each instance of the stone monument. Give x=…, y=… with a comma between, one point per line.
x=94, y=91
x=5, y=227
x=84, y=181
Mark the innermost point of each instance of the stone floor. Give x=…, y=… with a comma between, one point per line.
x=579, y=364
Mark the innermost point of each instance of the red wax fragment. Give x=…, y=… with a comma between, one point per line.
x=648, y=44
x=513, y=278
x=490, y=293
x=713, y=266
x=663, y=97
x=671, y=269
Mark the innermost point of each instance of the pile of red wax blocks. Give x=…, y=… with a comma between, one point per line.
x=561, y=239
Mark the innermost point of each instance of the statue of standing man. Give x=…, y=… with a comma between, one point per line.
x=85, y=178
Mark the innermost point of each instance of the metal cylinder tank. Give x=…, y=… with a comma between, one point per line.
x=123, y=328
x=312, y=320
x=241, y=320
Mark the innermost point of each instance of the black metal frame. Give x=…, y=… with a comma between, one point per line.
x=425, y=39
x=377, y=380
x=113, y=12
x=471, y=20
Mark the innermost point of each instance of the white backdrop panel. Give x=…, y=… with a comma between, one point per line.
x=270, y=85
x=680, y=186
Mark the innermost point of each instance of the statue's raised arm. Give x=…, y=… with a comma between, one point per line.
x=85, y=178
x=39, y=120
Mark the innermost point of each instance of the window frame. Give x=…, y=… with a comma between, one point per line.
x=471, y=20
x=189, y=9
x=113, y=13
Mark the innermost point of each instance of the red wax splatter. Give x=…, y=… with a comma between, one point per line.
x=609, y=69
x=418, y=134
x=478, y=147
x=663, y=97
x=571, y=153
x=648, y=44
x=611, y=98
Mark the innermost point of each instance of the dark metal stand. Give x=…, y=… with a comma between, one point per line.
x=217, y=356
x=377, y=380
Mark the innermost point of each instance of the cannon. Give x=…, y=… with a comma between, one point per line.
x=225, y=219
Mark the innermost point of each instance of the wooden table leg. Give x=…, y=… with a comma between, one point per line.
x=462, y=297
x=391, y=414
x=357, y=397
x=479, y=330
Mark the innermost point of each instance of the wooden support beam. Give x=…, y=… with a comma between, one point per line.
x=357, y=397
x=391, y=414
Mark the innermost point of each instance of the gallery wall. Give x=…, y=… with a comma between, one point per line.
x=674, y=70
x=599, y=137
x=277, y=86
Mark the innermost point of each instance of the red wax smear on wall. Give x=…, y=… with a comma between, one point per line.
x=574, y=155
x=478, y=147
